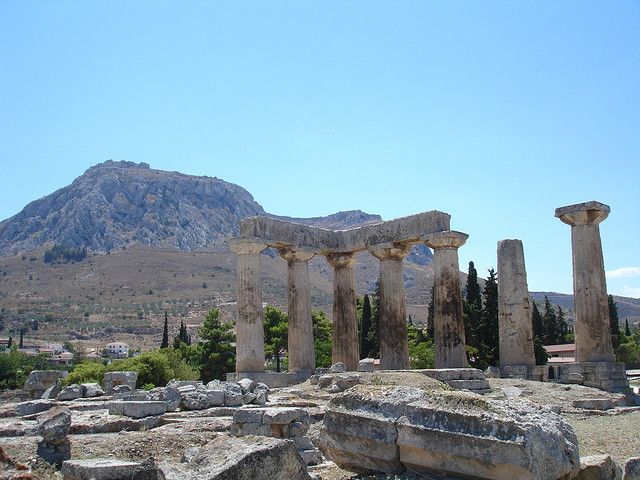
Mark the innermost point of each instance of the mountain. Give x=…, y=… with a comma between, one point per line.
x=116, y=204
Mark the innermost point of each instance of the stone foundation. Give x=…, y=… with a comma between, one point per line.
x=272, y=379
x=538, y=373
x=470, y=379
x=609, y=376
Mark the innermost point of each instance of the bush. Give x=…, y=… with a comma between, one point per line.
x=86, y=372
x=15, y=367
x=629, y=353
x=156, y=367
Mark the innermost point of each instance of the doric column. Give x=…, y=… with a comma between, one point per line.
x=514, y=320
x=300, y=346
x=447, y=319
x=592, y=330
x=394, y=348
x=345, y=323
x=249, y=327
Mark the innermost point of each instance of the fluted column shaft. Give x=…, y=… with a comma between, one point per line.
x=249, y=327
x=300, y=343
x=345, y=322
x=394, y=348
x=448, y=323
x=514, y=315
x=592, y=329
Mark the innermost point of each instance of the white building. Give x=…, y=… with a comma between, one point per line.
x=118, y=349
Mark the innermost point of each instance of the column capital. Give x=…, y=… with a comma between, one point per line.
x=447, y=239
x=341, y=259
x=588, y=213
x=390, y=251
x=291, y=254
x=246, y=245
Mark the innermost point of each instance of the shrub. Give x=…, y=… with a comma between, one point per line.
x=156, y=367
x=86, y=372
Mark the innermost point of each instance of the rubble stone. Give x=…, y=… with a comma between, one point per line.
x=54, y=425
x=90, y=390
x=135, y=409
x=40, y=380
x=338, y=367
x=108, y=469
x=366, y=365
x=72, y=392
x=112, y=379
x=195, y=401
x=598, y=467
x=632, y=469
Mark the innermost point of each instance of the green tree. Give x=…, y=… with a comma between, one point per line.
x=614, y=322
x=366, y=326
x=373, y=337
x=550, y=323
x=488, y=334
x=561, y=323
x=276, y=324
x=537, y=325
x=10, y=340
x=156, y=367
x=21, y=342
x=472, y=311
x=627, y=330
x=473, y=287
x=165, y=332
x=216, y=350
x=87, y=372
x=183, y=337
x=421, y=349
x=15, y=366
x=321, y=338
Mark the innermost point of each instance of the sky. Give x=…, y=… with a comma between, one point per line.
x=495, y=112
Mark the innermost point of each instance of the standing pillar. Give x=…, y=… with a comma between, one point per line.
x=514, y=314
x=249, y=327
x=300, y=343
x=345, y=323
x=447, y=319
x=592, y=330
x=394, y=347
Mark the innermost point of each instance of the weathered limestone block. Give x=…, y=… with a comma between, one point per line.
x=23, y=409
x=394, y=345
x=90, y=390
x=195, y=401
x=285, y=415
x=378, y=428
x=598, y=467
x=216, y=397
x=632, y=469
x=592, y=330
x=109, y=469
x=338, y=367
x=240, y=458
x=366, y=365
x=247, y=385
x=135, y=409
x=51, y=392
x=515, y=329
x=448, y=324
x=40, y=380
x=168, y=394
x=72, y=392
x=233, y=399
x=54, y=425
x=111, y=379
x=346, y=380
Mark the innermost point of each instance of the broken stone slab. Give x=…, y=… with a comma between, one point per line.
x=261, y=397
x=232, y=398
x=30, y=407
x=18, y=428
x=240, y=458
x=248, y=398
x=185, y=383
x=169, y=394
x=632, y=469
x=248, y=415
x=72, y=392
x=39, y=381
x=138, y=409
x=51, y=392
x=325, y=380
x=311, y=456
x=338, y=367
x=109, y=469
x=112, y=379
x=366, y=365
x=247, y=385
x=90, y=390
x=216, y=397
x=102, y=422
x=54, y=425
x=347, y=380
x=598, y=467
x=285, y=415
x=382, y=428
x=593, y=403
x=195, y=401
x=54, y=454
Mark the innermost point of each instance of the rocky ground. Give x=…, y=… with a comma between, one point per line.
x=178, y=435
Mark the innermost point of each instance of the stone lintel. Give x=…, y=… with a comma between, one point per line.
x=295, y=255
x=411, y=229
x=445, y=239
x=390, y=250
x=246, y=245
x=587, y=213
x=341, y=259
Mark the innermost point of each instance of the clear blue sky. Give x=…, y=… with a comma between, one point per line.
x=495, y=112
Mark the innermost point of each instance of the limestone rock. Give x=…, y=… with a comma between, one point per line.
x=347, y=380
x=240, y=458
x=54, y=425
x=90, y=390
x=338, y=368
x=598, y=467
x=632, y=469
x=325, y=380
x=109, y=469
x=216, y=397
x=232, y=399
x=51, y=392
x=40, y=380
x=195, y=401
x=112, y=379
x=366, y=365
x=247, y=385
x=72, y=392
x=381, y=428
x=167, y=394
x=23, y=409
x=135, y=409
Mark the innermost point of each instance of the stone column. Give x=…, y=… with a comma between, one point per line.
x=300, y=346
x=514, y=320
x=592, y=330
x=249, y=327
x=394, y=347
x=448, y=324
x=345, y=323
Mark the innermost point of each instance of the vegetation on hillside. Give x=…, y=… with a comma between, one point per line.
x=61, y=253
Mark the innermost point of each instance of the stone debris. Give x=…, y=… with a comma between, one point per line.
x=138, y=409
x=71, y=392
x=594, y=403
x=632, y=469
x=598, y=467
x=470, y=379
x=109, y=469
x=245, y=458
x=388, y=429
x=113, y=379
x=12, y=470
x=338, y=367
x=54, y=426
x=90, y=390
x=51, y=392
x=40, y=380
x=279, y=422
x=366, y=365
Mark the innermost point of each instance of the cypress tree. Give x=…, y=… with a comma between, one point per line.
x=562, y=325
x=374, y=332
x=10, y=341
x=165, y=332
x=183, y=336
x=536, y=322
x=472, y=309
x=627, y=331
x=21, y=343
x=365, y=346
x=550, y=322
x=613, y=322
x=473, y=287
x=489, y=328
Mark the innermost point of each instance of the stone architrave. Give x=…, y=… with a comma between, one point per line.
x=592, y=330
x=300, y=343
x=345, y=323
x=249, y=327
x=448, y=323
x=394, y=346
x=514, y=324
